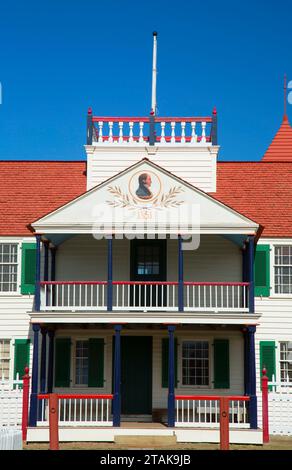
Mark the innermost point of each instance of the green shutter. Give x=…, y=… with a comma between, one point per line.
x=165, y=342
x=268, y=358
x=28, y=268
x=221, y=363
x=21, y=356
x=262, y=270
x=62, y=362
x=96, y=362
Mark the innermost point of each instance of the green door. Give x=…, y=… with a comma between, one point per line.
x=136, y=374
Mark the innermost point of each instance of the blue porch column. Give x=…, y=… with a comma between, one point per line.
x=117, y=378
x=53, y=250
x=251, y=273
x=251, y=375
x=34, y=377
x=171, y=377
x=180, y=276
x=38, y=274
x=43, y=361
x=246, y=362
x=51, y=334
x=46, y=261
x=109, y=274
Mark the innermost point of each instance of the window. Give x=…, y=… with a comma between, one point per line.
x=147, y=260
x=283, y=269
x=195, y=363
x=286, y=361
x=8, y=267
x=81, y=362
x=4, y=359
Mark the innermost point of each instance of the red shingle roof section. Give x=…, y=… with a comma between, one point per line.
x=31, y=189
x=261, y=191
x=280, y=149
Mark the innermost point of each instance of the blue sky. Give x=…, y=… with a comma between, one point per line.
x=58, y=57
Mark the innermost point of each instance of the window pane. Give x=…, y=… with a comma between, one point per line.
x=195, y=362
x=81, y=363
x=8, y=267
x=4, y=359
x=286, y=361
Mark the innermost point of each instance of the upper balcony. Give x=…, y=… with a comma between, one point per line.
x=152, y=130
x=88, y=280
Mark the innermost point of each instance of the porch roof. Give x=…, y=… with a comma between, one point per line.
x=176, y=318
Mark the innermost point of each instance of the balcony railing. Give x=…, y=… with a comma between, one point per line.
x=165, y=130
x=144, y=296
x=78, y=410
x=204, y=411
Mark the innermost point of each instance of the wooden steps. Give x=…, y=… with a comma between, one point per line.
x=145, y=440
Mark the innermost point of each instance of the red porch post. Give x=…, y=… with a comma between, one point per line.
x=54, y=421
x=224, y=423
x=25, y=399
x=265, y=407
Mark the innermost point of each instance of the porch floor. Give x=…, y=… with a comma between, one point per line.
x=108, y=434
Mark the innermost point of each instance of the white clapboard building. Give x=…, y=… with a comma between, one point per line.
x=148, y=279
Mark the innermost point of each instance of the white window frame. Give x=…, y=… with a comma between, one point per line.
x=73, y=384
x=180, y=359
x=11, y=357
x=74, y=362
x=273, y=270
x=278, y=356
x=273, y=243
x=19, y=258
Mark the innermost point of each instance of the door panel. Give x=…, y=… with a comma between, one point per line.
x=136, y=374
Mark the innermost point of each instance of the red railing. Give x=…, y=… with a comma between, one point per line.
x=203, y=410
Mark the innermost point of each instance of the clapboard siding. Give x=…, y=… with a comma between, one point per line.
x=197, y=167
x=85, y=258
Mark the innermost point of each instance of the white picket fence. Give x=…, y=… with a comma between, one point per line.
x=10, y=439
x=280, y=408
x=10, y=402
x=10, y=414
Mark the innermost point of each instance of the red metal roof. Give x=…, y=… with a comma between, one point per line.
x=262, y=191
x=281, y=146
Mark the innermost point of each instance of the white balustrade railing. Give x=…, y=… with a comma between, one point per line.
x=73, y=295
x=182, y=130
x=78, y=410
x=204, y=411
x=212, y=296
x=144, y=296
x=153, y=296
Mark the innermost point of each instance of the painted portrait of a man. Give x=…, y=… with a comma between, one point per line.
x=143, y=191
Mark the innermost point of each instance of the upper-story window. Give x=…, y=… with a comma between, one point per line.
x=283, y=269
x=8, y=267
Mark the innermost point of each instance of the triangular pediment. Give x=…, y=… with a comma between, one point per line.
x=145, y=198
